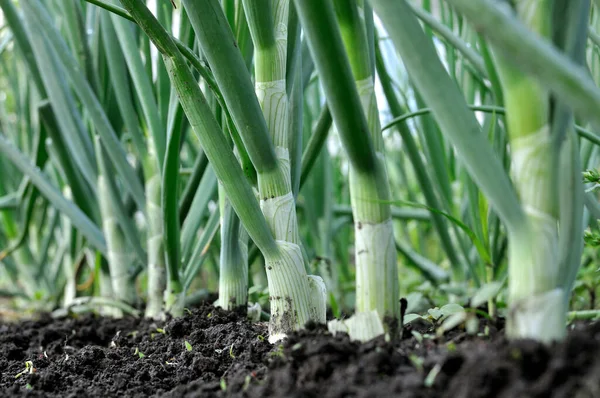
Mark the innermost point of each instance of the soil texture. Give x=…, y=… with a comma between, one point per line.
x=213, y=353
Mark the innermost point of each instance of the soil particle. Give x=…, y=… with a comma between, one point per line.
x=213, y=353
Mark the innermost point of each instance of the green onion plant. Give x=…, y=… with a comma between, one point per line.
x=297, y=156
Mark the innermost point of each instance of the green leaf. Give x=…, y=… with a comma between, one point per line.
x=329, y=55
x=435, y=313
x=452, y=321
x=408, y=318
x=207, y=129
x=456, y=121
x=125, y=221
x=481, y=248
x=200, y=251
x=170, y=209
x=143, y=86
x=37, y=15
x=450, y=309
x=120, y=81
x=530, y=54
x=85, y=226
x=486, y=293
x=204, y=194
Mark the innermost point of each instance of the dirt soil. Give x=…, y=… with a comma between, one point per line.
x=225, y=356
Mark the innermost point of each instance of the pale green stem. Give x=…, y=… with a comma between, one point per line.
x=377, y=285
x=233, y=270
x=119, y=256
x=295, y=297
x=535, y=301
x=289, y=288
x=294, y=303
x=70, y=290
x=156, y=255
x=536, y=309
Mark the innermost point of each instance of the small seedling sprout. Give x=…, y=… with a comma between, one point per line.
x=430, y=379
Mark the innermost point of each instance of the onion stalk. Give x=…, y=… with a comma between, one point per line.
x=376, y=259
x=267, y=142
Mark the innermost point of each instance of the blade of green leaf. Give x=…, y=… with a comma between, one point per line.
x=79, y=219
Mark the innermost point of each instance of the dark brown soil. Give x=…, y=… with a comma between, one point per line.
x=228, y=356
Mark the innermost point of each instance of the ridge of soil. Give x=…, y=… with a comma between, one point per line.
x=227, y=356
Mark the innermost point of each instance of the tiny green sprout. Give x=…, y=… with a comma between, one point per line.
x=247, y=381
x=188, y=346
x=296, y=346
x=451, y=346
x=209, y=315
x=162, y=331
x=188, y=311
x=261, y=337
x=430, y=379
x=231, y=352
x=139, y=353
x=223, y=385
x=278, y=353
x=133, y=333
x=417, y=362
x=28, y=386
x=28, y=369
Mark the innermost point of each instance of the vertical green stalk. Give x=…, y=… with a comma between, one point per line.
x=156, y=254
x=233, y=259
x=292, y=292
x=268, y=27
x=376, y=260
x=122, y=52
x=233, y=269
x=292, y=305
x=22, y=255
x=119, y=255
x=68, y=269
x=535, y=301
x=118, y=64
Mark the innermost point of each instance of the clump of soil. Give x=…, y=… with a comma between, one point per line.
x=213, y=353
x=93, y=356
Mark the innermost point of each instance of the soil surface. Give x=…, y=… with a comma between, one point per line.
x=213, y=353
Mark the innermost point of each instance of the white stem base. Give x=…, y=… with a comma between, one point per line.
x=156, y=254
x=233, y=291
x=362, y=326
x=375, y=263
x=540, y=317
x=254, y=311
x=122, y=286
x=290, y=292
x=174, y=302
x=318, y=295
x=233, y=273
x=156, y=277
